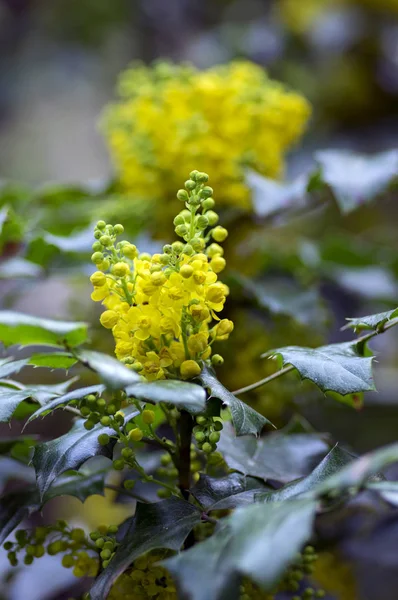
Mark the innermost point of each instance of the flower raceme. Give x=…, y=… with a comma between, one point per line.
x=163, y=308
x=227, y=118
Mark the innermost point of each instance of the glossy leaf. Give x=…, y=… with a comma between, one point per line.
x=25, y=330
x=183, y=394
x=10, y=399
x=356, y=179
x=112, y=372
x=53, y=360
x=331, y=464
x=65, y=399
x=18, y=505
x=163, y=524
x=338, y=367
x=8, y=366
x=277, y=456
x=216, y=493
x=259, y=541
x=244, y=418
x=374, y=322
x=270, y=196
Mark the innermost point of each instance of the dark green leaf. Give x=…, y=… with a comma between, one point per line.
x=244, y=418
x=357, y=472
x=332, y=463
x=276, y=293
x=65, y=399
x=164, y=524
x=25, y=330
x=18, y=505
x=227, y=492
x=112, y=372
x=277, y=456
x=53, y=360
x=10, y=400
x=183, y=394
x=259, y=541
x=375, y=322
x=356, y=179
x=337, y=367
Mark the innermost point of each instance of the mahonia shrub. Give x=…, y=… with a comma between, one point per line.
x=227, y=118
x=217, y=509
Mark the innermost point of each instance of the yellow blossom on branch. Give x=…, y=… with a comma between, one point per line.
x=163, y=308
x=227, y=118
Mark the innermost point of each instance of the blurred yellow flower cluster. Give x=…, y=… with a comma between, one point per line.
x=162, y=308
x=225, y=119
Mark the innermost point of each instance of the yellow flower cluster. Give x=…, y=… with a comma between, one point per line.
x=162, y=309
x=145, y=581
x=227, y=118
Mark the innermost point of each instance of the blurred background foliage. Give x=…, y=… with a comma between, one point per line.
x=303, y=253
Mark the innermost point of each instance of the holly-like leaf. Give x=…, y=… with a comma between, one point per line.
x=259, y=541
x=356, y=179
x=374, y=322
x=332, y=463
x=275, y=294
x=53, y=360
x=337, y=367
x=18, y=505
x=360, y=470
x=69, y=452
x=163, y=524
x=183, y=394
x=18, y=268
x=227, y=492
x=245, y=419
x=277, y=456
x=8, y=366
x=112, y=372
x=25, y=330
x=65, y=399
x=10, y=399
x=270, y=196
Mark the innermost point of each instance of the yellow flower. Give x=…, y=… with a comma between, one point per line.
x=227, y=119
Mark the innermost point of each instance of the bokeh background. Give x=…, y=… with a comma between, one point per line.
x=59, y=62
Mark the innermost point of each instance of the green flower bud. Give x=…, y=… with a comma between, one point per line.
x=106, y=554
x=214, y=437
x=97, y=246
x=198, y=244
x=105, y=240
x=118, y=464
x=219, y=233
x=203, y=221
x=113, y=529
x=186, y=215
x=201, y=420
x=208, y=204
x=177, y=247
x=212, y=217
x=194, y=174
x=200, y=436
x=218, y=426
x=100, y=542
x=190, y=185
x=182, y=195
x=178, y=220
x=202, y=177
x=97, y=257
x=127, y=452
x=105, y=421
x=207, y=448
x=165, y=460
x=128, y=484
x=118, y=229
x=206, y=192
x=148, y=416
x=89, y=425
x=103, y=439
x=181, y=230
x=85, y=411
x=130, y=251
x=194, y=200
x=217, y=360
x=188, y=250
x=164, y=259
x=101, y=225
x=168, y=249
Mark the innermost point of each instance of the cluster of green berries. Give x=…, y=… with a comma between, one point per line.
x=52, y=540
x=105, y=543
x=293, y=581
x=107, y=252
x=145, y=581
x=168, y=470
x=207, y=433
x=95, y=409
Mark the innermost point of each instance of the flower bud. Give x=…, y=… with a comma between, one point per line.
x=101, y=225
x=105, y=240
x=212, y=217
x=181, y=230
x=109, y=318
x=219, y=234
x=202, y=177
x=190, y=185
x=203, y=222
x=98, y=279
x=178, y=247
x=130, y=251
x=158, y=278
x=194, y=174
x=186, y=271
x=224, y=327
x=217, y=264
x=182, y=195
x=179, y=220
x=103, y=439
x=214, y=249
x=186, y=215
x=148, y=416
x=168, y=249
x=208, y=204
x=120, y=269
x=198, y=244
x=197, y=343
x=189, y=369
x=97, y=246
x=136, y=435
x=188, y=250
x=118, y=229
x=194, y=200
x=97, y=257
x=217, y=360
x=206, y=192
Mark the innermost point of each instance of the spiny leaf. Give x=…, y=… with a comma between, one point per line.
x=25, y=330
x=164, y=524
x=112, y=372
x=259, y=541
x=356, y=179
x=375, y=322
x=18, y=505
x=332, y=463
x=8, y=366
x=227, y=492
x=358, y=472
x=65, y=399
x=10, y=399
x=276, y=456
x=244, y=418
x=53, y=360
x=338, y=367
x=183, y=394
